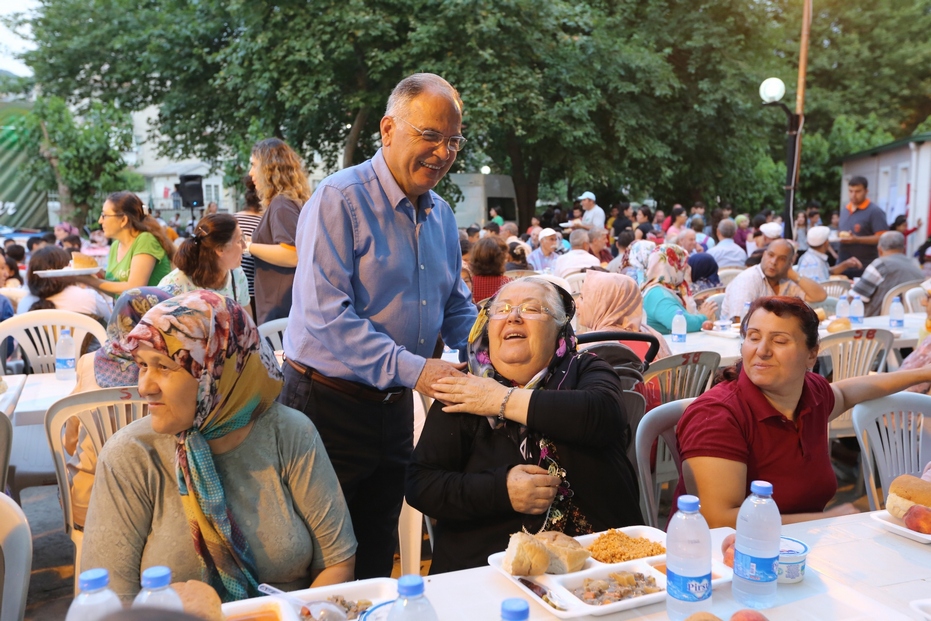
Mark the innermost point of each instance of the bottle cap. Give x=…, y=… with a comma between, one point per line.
x=410, y=585
x=66, y=331
x=761, y=488
x=515, y=609
x=156, y=577
x=896, y=299
x=688, y=503
x=679, y=312
x=93, y=579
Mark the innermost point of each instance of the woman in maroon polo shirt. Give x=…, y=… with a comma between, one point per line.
x=767, y=418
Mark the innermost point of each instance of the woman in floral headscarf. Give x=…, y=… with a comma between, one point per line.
x=531, y=439
x=635, y=260
x=219, y=482
x=667, y=291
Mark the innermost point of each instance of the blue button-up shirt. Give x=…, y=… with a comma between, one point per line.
x=376, y=280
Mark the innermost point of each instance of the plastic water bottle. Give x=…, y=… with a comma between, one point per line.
x=678, y=327
x=843, y=308
x=688, y=561
x=856, y=310
x=756, y=549
x=515, y=609
x=64, y=356
x=744, y=311
x=896, y=313
x=95, y=601
x=156, y=590
x=411, y=604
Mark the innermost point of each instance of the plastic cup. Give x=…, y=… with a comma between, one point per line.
x=792, y=555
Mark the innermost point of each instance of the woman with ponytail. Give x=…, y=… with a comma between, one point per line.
x=141, y=255
x=211, y=259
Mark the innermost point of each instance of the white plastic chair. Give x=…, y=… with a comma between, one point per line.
x=682, y=376
x=828, y=304
x=575, y=281
x=853, y=353
x=900, y=291
x=515, y=274
x=102, y=413
x=273, y=332
x=717, y=298
x=836, y=288
x=411, y=521
x=728, y=274
x=659, y=423
x=915, y=300
x=16, y=568
x=893, y=435
x=37, y=333
x=6, y=447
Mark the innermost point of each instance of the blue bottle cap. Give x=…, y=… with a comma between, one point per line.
x=761, y=488
x=66, y=332
x=688, y=503
x=679, y=312
x=410, y=585
x=93, y=579
x=156, y=577
x=896, y=299
x=515, y=609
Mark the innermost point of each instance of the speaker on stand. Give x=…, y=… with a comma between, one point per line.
x=191, y=190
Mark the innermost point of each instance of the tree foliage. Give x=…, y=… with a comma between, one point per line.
x=80, y=158
x=648, y=97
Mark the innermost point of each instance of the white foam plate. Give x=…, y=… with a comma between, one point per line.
x=566, y=225
x=922, y=607
x=68, y=271
x=897, y=526
x=727, y=334
x=377, y=590
x=561, y=586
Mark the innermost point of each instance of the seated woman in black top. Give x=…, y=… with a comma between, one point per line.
x=532, y=439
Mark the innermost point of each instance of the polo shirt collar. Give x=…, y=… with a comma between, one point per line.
x=393, y=191
x=820, y=255
x=761, y=407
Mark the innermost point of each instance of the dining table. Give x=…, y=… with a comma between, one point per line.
x=727, y=342
x=39, y=392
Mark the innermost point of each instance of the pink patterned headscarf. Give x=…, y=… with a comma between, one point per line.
x=668, y=267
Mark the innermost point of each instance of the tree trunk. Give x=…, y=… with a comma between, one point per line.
x=47, y=150
x=525, y=172
x=352, y=141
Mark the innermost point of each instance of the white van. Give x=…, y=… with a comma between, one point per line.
x=482, y=192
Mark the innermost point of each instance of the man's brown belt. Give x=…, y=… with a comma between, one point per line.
x=353, y=389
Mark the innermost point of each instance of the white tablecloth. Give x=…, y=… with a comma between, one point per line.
x=39, y=393
x=10, y=398
x=729, y=348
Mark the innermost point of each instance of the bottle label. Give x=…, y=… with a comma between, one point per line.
x=755, y=568
x=896, y=323
x=688, y=588
x=678, y=338
x=64, y=364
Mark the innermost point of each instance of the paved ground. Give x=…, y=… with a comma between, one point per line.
x=50, y=587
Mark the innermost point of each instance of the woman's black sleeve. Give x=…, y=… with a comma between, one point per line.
x=436, y=483
x=589, y=413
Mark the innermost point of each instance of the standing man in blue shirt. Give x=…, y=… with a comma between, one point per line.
x=378, y=280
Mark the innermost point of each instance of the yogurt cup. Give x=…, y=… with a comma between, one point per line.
x=792, y=555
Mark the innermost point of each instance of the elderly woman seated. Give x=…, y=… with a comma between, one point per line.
x=532, y=439
x=666, y=292
x=768, y=416
x=219, y=482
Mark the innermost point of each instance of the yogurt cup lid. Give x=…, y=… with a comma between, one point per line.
x=792, y=547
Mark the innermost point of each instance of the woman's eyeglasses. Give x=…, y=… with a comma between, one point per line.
x=527, y=310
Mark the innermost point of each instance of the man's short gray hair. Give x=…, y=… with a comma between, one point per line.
x=412, y=86
x=578, y=238
x=892, y=241
x=727, y=228
x=551, y=298
x=596, y=232
x=510, y=227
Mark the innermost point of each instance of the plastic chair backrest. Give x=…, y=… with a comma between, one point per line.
x=717, y=298
x=37, y=333
x=273, y=332
x=102, y=413
x=899, y=290
x=701, y=296
x=659, y=422
x=895, y=436
x=682, y=376
x=515, y=274
x=575, y=281
x=6, y=447
x=836, y=287
x=727, y=274
x=915, y=300
x=16, y=568
x=829, y=305
x=853, y=353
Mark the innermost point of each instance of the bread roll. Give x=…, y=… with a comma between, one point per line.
x=80, y=261
x=566, y=554
x=906, y=491
x=525, y=556
x=839, y=325
x=702, y=616
x=200, y=600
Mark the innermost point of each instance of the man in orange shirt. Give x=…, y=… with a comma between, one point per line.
x=861, y=224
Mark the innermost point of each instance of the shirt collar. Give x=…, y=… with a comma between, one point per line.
x=820, y=255
x=396, y=196
x=760, y=406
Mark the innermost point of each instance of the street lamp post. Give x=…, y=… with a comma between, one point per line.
x=771, y=92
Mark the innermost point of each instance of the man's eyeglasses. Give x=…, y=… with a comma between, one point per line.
x=527, y=310
x=453, y=143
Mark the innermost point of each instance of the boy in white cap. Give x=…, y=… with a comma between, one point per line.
x=814, y=263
